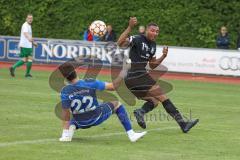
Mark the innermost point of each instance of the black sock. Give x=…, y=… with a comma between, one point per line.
x=173, y=111
x=147, y=107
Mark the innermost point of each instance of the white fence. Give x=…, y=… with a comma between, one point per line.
x=205, y=61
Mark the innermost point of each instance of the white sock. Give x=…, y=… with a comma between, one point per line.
x=130, y=132
x=72, y=128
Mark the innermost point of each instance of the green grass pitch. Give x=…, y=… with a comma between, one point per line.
x=29, y=129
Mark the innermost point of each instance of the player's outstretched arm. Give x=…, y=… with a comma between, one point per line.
x=67, y=132
x=123, y=39
x=117, y=81
x=153, y=63
x=114, y=85
x=65, y=118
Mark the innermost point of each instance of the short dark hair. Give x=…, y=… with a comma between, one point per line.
x=68, y=71
x=152, y=24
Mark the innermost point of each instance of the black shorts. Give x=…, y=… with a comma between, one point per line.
x=140, y=84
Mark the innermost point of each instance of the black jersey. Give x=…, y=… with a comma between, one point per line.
x=141, y=51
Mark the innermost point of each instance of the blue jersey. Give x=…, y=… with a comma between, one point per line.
x=81, y=96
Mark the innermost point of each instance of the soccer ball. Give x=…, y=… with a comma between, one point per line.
x=98, y=28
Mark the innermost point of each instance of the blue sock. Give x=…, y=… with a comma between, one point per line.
x=123, y=117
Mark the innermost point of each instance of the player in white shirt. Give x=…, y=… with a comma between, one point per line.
x=25, y=44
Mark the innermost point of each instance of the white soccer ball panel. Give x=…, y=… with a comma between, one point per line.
x=98, y=28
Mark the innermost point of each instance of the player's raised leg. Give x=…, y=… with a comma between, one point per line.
x=171, y=109
x=148, y=106
x=156, y=93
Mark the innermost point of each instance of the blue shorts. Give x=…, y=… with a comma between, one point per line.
x=93, y=118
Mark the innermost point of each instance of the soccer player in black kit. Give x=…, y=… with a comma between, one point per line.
x=140, y=82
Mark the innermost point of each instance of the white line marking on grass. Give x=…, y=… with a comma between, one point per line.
x=7, y=144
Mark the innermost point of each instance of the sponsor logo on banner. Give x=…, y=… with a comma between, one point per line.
x=2, y=48
x=62, y=52
x=230, y=63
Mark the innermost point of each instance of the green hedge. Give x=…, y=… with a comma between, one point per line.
x=182, y=22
